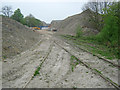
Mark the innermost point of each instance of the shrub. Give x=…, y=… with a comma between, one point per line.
x=78, y=32
x=109, y=33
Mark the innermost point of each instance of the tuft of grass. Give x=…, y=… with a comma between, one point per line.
x=4, y=57
x=74, y=87
x=37, y=71
x=98, y=71
x=74, y=62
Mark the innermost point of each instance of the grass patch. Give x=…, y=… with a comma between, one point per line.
x=94, y=46
x=74, y=61
x=37, y=71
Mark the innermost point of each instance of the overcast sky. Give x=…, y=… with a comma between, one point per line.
x=47, y=10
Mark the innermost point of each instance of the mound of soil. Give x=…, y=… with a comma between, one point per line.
x=69, y=25
x=55, y=23
x=16, y=37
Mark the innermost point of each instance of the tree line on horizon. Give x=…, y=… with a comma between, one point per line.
x=29, y=20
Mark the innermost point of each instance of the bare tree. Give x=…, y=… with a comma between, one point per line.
x=7, y=11
x=96, y=9
x=97, y=6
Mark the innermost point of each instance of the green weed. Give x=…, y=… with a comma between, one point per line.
x=74, y=62
x=37, y=71
x=4, y=57
x=98, y=71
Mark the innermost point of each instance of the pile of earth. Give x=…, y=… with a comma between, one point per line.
x=55, y=23
x=44, y=23
x=70, y=24
x=16, y=37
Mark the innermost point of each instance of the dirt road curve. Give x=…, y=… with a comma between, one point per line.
x=55, y=67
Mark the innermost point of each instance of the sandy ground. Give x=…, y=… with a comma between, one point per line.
x=56, y=70
x=107, y=69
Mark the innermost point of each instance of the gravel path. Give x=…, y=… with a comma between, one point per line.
x=17, y=71
x=55, y=71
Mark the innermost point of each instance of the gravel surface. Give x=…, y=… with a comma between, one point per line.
x=105, y=68
x=55, y=71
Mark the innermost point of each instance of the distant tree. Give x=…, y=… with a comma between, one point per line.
x=18, y=16
x=97, y=6
x=7, y=11
x=32, y=21
x=23, y=21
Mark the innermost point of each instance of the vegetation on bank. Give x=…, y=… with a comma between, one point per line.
x=106, y=42
x=93, y=46
x=73, y=62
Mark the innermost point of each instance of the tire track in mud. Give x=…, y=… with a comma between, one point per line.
x=46, y=56
x=18, y=68
x=94, y=70
x=55, y=77
x=57, y=63
x=18, y=72
x=110, y=69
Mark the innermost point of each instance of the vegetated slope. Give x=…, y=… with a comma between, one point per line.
x=16, y=37
x=69, y=25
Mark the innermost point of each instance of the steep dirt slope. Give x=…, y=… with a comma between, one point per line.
x=55, y=23
x=69, y=25
x=44, y=23
x=16, y=37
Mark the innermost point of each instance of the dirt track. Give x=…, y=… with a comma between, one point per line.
x=55, y=69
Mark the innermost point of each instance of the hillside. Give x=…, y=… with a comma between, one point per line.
x=16, y=37
x=69, y=25
x=44, y=23
x=55, y=23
